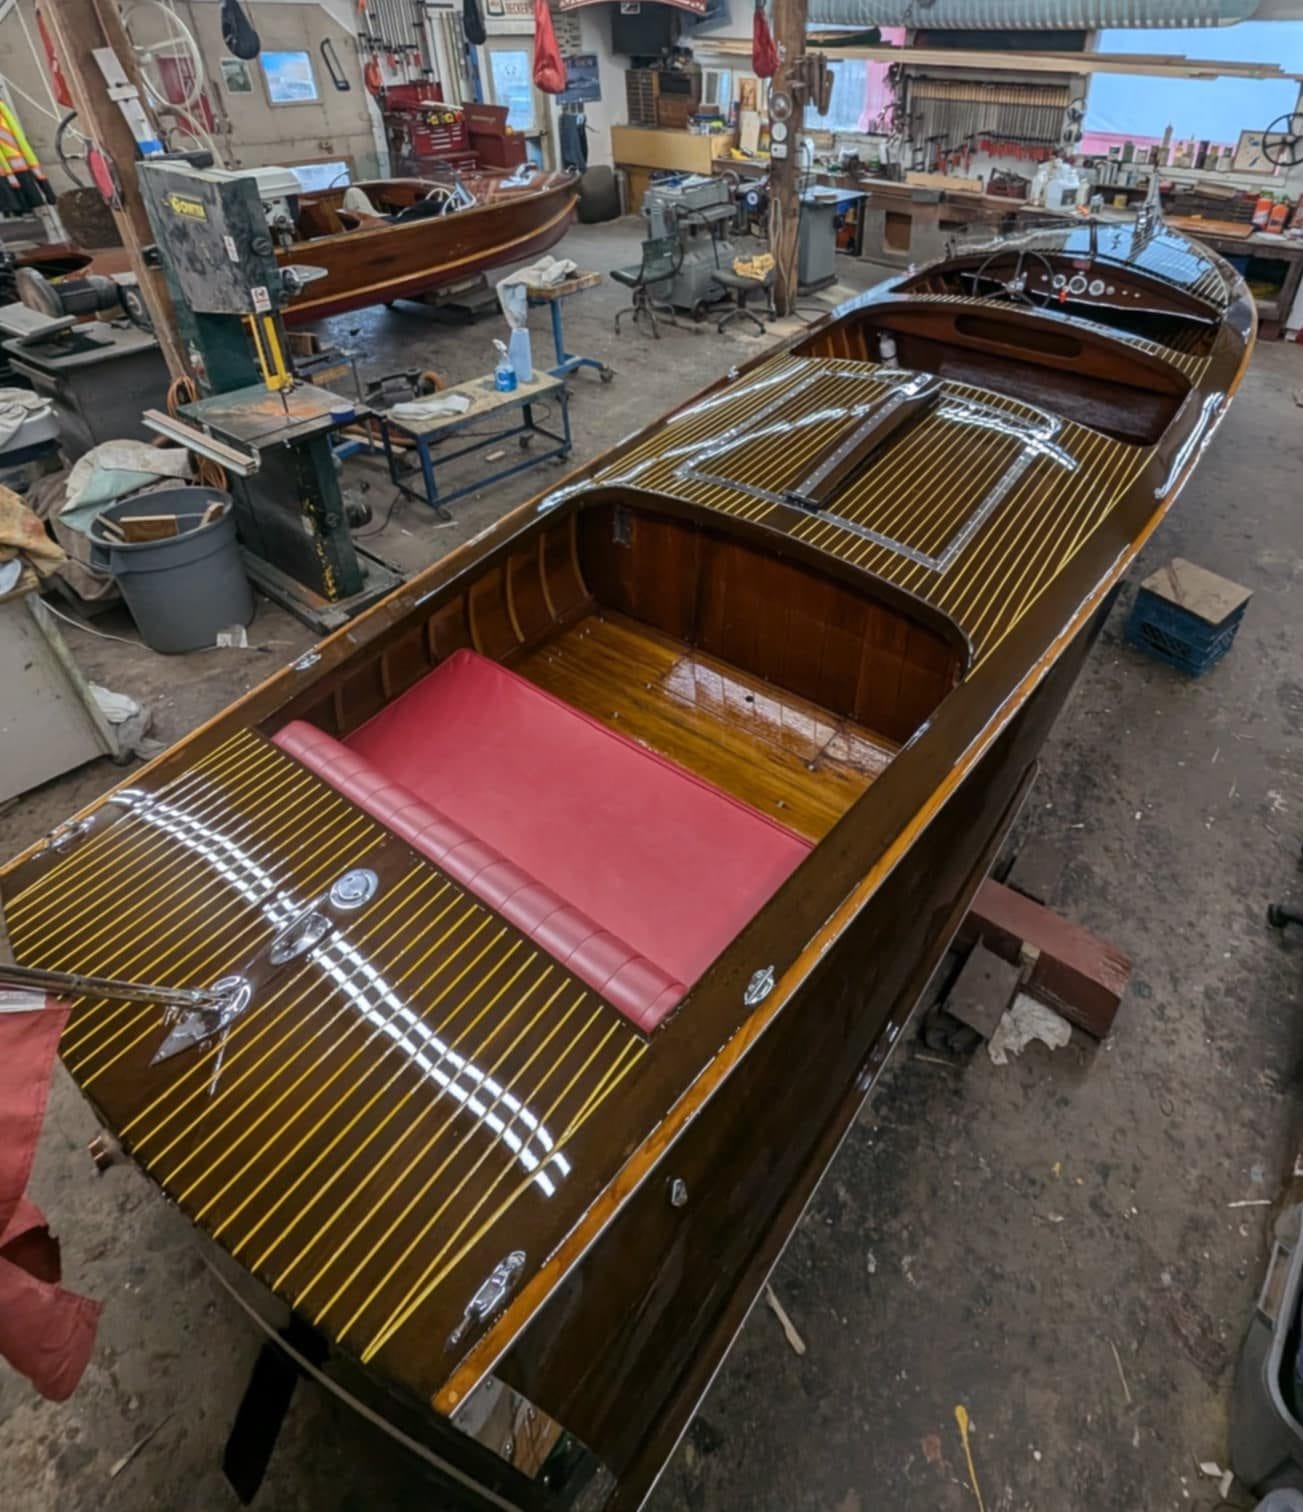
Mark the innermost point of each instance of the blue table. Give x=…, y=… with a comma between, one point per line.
x=552, y=295
x=487, y=404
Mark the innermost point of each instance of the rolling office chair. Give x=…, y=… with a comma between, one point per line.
x=662, y=257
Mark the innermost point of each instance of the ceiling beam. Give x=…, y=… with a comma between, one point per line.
x=1151, y=65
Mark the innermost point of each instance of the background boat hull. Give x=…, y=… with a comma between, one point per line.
x=403, y=262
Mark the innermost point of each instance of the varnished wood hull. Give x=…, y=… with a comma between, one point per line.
x=940, y=624
x=752, y=1160
x=376, y=266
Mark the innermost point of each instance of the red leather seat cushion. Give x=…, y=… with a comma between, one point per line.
x=664, y=863
x=630, y=982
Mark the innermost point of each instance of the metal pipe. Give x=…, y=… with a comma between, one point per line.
x=75, y=984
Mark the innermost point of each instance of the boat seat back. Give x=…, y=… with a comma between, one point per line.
x=639, y=988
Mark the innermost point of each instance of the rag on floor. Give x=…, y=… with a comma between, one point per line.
x=23, y=540
x=46, y=1332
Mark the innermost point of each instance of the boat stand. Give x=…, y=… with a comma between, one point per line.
x=486, y=402
x=553, y=295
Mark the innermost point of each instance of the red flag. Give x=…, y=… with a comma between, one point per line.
x=549, y=71
x=764, y=55
x=61, y=90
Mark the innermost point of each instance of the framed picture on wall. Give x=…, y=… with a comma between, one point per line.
x=289, y=78
x=235, y=76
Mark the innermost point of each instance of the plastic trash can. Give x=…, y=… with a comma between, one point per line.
x=181, y=589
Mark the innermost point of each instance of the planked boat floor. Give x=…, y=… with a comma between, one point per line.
x=780, y=753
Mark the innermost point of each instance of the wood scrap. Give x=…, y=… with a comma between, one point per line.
x=139, y=528
x=789, y=1328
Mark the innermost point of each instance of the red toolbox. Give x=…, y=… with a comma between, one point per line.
x=493, y=142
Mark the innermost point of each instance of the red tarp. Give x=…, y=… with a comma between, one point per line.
x=46, y=1333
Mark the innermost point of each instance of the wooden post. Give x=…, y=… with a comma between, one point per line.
x=785, y=172
x=77, y=28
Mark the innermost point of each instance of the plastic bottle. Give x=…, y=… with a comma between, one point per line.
x=504, y=375
x=519, y=354
x=1262, y=212
x=1279, y=215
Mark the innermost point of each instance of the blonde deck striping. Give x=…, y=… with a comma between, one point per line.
x=738, y=449
x=386, y=1099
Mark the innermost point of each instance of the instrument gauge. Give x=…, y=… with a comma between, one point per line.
x=1077, y=284
x=1058, y=281
x=1096, y=287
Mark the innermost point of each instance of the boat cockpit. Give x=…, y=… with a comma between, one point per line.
x=625, y=737
x=1126, y=391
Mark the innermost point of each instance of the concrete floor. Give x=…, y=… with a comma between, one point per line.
x=1054, y=1244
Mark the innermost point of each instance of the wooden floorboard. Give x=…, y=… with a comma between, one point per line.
x=779, y=753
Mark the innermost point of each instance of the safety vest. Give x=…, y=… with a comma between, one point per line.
x=16, y=155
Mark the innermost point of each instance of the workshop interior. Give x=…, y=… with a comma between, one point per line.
x=650, y=712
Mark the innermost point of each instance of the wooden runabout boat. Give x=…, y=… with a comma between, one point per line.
x=423, y=236
x=560, y=912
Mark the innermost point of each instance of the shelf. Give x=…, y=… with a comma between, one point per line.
x=1151, y=65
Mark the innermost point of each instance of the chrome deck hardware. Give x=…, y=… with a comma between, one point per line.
x=193, y=1027
x=354, y=888
x=303, y=933
x=759, y=987
x=491, y=1295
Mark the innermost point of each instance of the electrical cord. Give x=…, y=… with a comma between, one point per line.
x=210, y=474
x=65, y=160
x=77, y=624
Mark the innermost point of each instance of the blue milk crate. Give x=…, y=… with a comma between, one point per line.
x=1186, y=616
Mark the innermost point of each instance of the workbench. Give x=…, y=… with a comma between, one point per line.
x=488, y=404
x=1258, y=248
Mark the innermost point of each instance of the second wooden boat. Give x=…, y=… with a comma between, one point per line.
x=564, y=908
x=422, y=235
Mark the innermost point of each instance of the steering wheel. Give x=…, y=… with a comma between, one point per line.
x=448, y=196
x=1282, y=142
x=1015, y=287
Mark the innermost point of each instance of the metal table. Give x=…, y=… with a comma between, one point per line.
x=487, y=403
x=552, y=296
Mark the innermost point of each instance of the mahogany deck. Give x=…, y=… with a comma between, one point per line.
x=779, y=753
